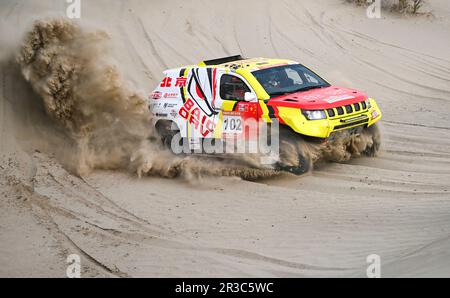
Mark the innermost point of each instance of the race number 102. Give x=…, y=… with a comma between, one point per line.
x=232, y=124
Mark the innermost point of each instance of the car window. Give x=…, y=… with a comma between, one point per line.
x=232, y=88
x=286, y=79
x=311, y=79
x=294, y=76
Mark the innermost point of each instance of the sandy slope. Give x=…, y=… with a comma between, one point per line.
x=323, y=224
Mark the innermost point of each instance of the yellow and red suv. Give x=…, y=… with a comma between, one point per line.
x=213, y=98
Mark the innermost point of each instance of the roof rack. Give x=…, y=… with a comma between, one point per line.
x=223, y=60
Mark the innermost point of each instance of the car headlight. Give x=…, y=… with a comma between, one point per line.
x=368, y=103
x=314, y=115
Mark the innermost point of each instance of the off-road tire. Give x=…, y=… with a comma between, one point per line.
x=166, y=132
x=374, y=132
x=291, y=144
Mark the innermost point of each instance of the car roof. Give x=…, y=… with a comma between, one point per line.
x=237, y=62
x=252, y=64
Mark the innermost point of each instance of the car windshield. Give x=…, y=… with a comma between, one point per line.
x=288, y=79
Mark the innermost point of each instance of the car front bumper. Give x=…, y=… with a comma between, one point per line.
x=325, y=127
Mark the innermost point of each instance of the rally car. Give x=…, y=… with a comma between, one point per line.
x=211, y=100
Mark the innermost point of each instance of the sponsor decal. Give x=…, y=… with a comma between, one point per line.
x=170, y=95
x=174, y=113
x=155, y=105
x=156, y=95
x=196, y=117
x=169, y=105
x=334, y=99
x=243, y=108
x=231, y=113
x=179, y=82
x=313, y=97
x=166, y=82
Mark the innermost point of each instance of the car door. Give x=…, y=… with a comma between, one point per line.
x=239, y=117
x=199, y=109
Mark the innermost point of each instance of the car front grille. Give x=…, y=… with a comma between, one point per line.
x=344, y=113
x=347, y=110
x=331, y=112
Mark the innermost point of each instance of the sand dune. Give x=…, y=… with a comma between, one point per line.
x=323, y=224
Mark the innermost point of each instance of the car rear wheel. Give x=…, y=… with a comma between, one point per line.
x=167, y=130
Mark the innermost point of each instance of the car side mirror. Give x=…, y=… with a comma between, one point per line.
x=250, y=97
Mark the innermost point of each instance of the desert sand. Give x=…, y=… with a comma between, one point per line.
x=323, y=224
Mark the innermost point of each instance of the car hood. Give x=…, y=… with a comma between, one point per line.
x=317, y=99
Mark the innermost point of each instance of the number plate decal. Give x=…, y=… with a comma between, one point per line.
x=232, y=123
